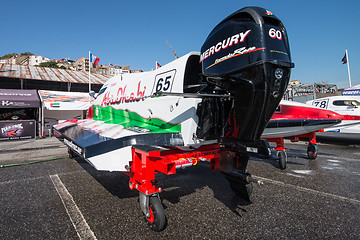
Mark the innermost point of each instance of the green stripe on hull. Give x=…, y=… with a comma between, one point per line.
x=133, y=121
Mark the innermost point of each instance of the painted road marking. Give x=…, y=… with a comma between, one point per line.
x=36, y=178
x=81, y=227
x=339, y=158
x=355, y=201
x=307, y=172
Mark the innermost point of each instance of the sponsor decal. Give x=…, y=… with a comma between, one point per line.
x=6, y=103
x=16, y=94
x=122, y=96
x=15, y=130
x=138, y=129
x=73, y=146
x=230, y=41
x=252, y=149
x=55, y=105
x=237, y=52
x=10, y=131
x=351, y=92
x=268, y=13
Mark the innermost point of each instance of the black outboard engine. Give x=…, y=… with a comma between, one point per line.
x=246, y=56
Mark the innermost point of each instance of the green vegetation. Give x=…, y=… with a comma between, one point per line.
x=9, y=55
x=27, y=53
x=51, y=64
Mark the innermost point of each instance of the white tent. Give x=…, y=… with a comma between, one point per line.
x=355, y=90
x=58, y=106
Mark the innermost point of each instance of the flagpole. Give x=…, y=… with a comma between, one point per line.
x=89, y=73
x=347, y=61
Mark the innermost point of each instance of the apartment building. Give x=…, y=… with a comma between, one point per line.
x=82, y=64
x=29, y=60
x=67, y=63
x=36, y=60
x=110, y=70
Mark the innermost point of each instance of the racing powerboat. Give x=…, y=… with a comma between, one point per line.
x=211, y=106
x=296, y=120
x=347, y=106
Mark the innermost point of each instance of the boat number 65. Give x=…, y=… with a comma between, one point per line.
x=164, y=81
x=273, y=33
x=163, y=84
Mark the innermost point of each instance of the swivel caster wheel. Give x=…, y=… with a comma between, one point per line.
x=71, y=154
x=156, y=219
x=312, y=151
x=282, y=159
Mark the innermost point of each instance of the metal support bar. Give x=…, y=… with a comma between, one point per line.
x=144, y=203
x=148, y=161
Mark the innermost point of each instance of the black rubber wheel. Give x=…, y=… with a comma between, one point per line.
x=249, y=188
x=157, y=219
x=282, y=159
x=71, y=154
x=312, y=151
x=239, y=188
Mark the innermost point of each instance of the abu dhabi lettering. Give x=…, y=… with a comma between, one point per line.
x=122, y=96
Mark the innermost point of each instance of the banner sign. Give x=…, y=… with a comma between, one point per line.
x=351, y=92
x=15, y=98
x=56, y=100
x=17, y=130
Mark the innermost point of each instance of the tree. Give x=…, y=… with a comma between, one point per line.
x=9, y=55
x=51, y=64
x=27, y=53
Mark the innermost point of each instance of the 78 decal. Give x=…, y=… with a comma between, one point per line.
x=320, y=104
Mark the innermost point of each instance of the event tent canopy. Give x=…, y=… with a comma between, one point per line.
x=56, y=100
x=13, y=98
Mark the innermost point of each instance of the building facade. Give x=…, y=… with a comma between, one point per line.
x=29, y=60
x=36, y=60
x=82, y=64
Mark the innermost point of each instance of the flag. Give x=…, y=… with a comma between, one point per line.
x=157, y=65
x=94, y=60
x=344, y=59
x=55, y=105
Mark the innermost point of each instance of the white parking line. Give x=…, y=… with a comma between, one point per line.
x=339, y=158
x=81, y=227
x=310, y=190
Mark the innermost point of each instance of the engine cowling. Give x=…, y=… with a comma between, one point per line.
x=247, y=55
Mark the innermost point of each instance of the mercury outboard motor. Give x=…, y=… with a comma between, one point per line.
x=247, y=57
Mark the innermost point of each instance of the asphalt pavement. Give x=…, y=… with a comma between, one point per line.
x=63, y=198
